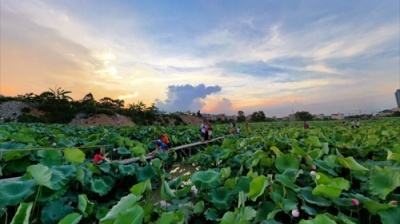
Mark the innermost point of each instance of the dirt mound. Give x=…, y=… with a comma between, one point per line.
x=191, y=120
x=102, y=120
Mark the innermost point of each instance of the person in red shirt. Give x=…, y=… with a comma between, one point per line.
x=165, y=139
x=98, y=156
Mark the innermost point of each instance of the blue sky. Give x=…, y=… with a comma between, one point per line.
x=213, y=56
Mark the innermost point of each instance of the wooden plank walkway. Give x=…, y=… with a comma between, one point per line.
x=135, y=159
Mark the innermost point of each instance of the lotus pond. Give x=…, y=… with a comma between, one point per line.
x=276, y=173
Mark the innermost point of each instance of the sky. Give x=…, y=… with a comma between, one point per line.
x=219, y=56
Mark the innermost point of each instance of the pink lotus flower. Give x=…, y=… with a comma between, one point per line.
x=313, y=173
x=355, y=202
x=295, y=213
x=393, y=202
x=313, y=167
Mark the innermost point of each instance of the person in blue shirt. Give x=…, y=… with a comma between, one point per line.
x=160, y=145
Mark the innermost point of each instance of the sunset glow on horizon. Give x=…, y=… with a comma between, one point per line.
x=213, y=56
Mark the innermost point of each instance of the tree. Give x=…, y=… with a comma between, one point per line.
x=303, y=116
x=258, y=116
x=241, y=117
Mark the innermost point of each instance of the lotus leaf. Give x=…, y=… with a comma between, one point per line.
x=263, y=210
x=140, y=188
x=54, y=211
x=41, y=174
x=72, y=218
x=314, y=141
x=383, y=182
x=286, y=161
x=307, y=195
x=84, y=205
x=166, y=192
x=257, y=187
x=319, y=219
x=325, y=166
x=221, y=198
x=286, y=181
x=102, y=185
x=390, y=216
x=127, y=169
x=352, y=164
x=198, y=208
x=74, y=155
x=393, y=156
x=23, y=138
x=171, y=218
x=125, y=203
x=22, y=214
x=10, y=156
x=145, y=173
x=206, y=179
x=211, y=214
x=225, y=172
x=132, y=215
x=309, y=210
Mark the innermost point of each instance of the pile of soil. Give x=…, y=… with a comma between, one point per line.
x=102, y=120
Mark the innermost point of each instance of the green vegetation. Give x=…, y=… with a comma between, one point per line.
x=276, y=173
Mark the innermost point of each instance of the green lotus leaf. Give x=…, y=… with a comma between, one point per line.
x=12, y=145
x=132, y=215
x=41, y=174
x=319, y=219
x=289, y=204
x=10, y=156
x=166, y=192
x=325, y=166
x=48, y=194
x=23, y=138
x=263, y=210
x=140, y=188
x=72, y=218
x=22, y=214
x=127, y=169
x=225, y=172
x=211, y=214
x=125, y=203
x=138, y=150
x=17, y=166
x=54, y=211
x=156, y=163
x=198, y=208
x=383, y=182
x=146, y=173
x=309, y=210
x=390, y=216
x=102, y=185
x=74, y=155
x=4, y=135
x=345, y=219
x=257, y=187
x=298, y=151
x=228, y=218
x=393, y=156
x=50, y=157
x=105, y=167
x=314, y=141
x=327, y=191
x=84, y=205
x=221, y=198
x=286, y=181
x=123, y=151
x=94, y=168
x=351, y=163
x=171, y=218
x=307, y=195
x=64, y=142
x=286, y=161
x=206, y=179
x=276, y=151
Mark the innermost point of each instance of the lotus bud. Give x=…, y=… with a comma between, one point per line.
x=295, y=213
x=54, y=144
x=393, y=202
x=114, y=149
x=312, y=173
x=116, y=170
x=313, y=167
x=355, y=202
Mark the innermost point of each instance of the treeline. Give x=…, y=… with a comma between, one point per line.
x=59, y=107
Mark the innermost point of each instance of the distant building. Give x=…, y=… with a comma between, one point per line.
x=292, y=117
x=397, y=94
x=338, y=116
x=384, y=113
x=319, y=116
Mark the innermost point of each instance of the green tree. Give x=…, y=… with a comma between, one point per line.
x=258, y=116
x=241, y=117
x=303, y=116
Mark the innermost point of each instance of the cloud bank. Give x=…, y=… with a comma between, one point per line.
x=186, y=97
